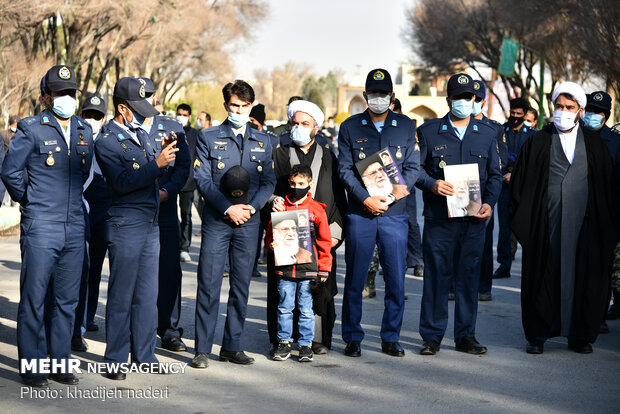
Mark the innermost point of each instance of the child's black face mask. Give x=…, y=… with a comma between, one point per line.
x=299, y=193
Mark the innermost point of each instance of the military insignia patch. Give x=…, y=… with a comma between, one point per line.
x=462, y=80
x=95, y=100
x=46, y=119
x=237, y=193
x=142, y=81
x=142, y=91
x=378, y=76
x=136, y=166
x=598, y=97
x=53, y=142
x=416, y=147
x=260, y=144
x=476, y=86
x=197, y=163
x=64, y=73
x=394, y=123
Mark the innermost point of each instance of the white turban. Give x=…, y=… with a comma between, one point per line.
x=572, y=89
x=308, y=107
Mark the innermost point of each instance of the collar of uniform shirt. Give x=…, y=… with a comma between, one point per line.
x=131, y=133
x=238, y=131
x=147, y=125
x=569, y=142
x=460, y=131
x=66, y=131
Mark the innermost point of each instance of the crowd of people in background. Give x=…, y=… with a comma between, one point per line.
x=90, y=186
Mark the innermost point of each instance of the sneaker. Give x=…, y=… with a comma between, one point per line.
x=185, y=257
x=283, y=352
x=305, y=354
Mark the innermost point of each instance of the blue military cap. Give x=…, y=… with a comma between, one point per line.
x=379, y=80
x=479, y=89
x=235, y=185
x=132, y=91
x=95, y=103
x=459, y=84
x=149, y=86
x=599, y=99
x=59, y=78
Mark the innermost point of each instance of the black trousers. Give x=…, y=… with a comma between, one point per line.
x=186, y=200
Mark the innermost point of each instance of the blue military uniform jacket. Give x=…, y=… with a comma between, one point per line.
x=612, y=139
x=358, y=138
x=175, y=175
x=131, y=172
x=439, y=144
x=218, y=149
x=39, y=169
x=515, y=140
x=501, y=142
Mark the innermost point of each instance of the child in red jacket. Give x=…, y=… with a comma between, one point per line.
x=294, y=279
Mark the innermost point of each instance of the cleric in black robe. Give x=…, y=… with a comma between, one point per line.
x=564, y=212
x=305, y=149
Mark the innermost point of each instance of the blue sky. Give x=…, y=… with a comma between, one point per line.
x=354, y=35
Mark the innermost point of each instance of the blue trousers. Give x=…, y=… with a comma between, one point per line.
x=48, y=247
x=504, y=248
x=389, y=233
x=97, y=249
x=170, y=274
x=131, y=311
x=441, y=239
x=414, y=242
x=219, y=240
x=289, y=290
x=486, y=264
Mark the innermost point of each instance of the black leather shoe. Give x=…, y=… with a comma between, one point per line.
x=429, y=348
x=256, y=274
x=116, y=376
x=604, y=328
x=353, y=349
x=68, y=379
x=393, y=349
x=78, y=344
x=38, y=382
x=318, y=348
x=237, y=357
x=174, y=344
x=92, y=327
x=469, y=345
x=614, y=310
x=485, y=297
x=535, y=348
x=200, y=360
x=581, y=347
x=418, y=271
x=501, y=273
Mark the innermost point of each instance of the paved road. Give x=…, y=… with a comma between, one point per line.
x=505, y=380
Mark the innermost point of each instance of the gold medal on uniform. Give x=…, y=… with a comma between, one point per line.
x=220, y=165
x=442, y=164
x=399, y=154
x=136, y=166
x=259, y=168
x=50, y=160
x=362, y=155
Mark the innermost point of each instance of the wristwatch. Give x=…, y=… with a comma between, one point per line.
x=252, y=210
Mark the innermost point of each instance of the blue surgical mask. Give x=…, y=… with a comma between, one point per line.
x=64, y=106
x=527, y=124
x=238, y=120
x=300, y=135
x=462, y=108
x=477, y=108
x=135, y=123
x=592, y=120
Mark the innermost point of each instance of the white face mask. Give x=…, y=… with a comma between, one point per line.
x=183, y=119
x=96, y=125
x=300, y=135
x=564, y=120
x=378, y=103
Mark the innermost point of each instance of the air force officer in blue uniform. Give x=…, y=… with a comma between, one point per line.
x=45, y=169
x=229, y=228
x=376, y=219
x=132, y=168
x=453, y=246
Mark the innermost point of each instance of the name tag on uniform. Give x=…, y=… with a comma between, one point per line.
x=53, y=142
x=361, y=141
x=220, y=147
x=441, y=147
x=256, y=149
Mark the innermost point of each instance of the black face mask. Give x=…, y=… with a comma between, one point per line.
x=299, y=193
x=515, y=121
x=253, y=125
